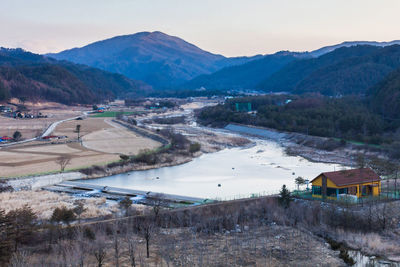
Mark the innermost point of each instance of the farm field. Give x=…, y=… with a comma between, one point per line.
x=117, y=139
x=102, y=143
x=30, y=128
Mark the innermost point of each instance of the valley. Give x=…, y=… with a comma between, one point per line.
x=145, y=150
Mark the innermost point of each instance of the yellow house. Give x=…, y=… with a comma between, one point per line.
x=357, y=182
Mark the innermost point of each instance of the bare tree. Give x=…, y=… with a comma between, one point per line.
x=131, y=241
x=63, y=161
x=116, y=244
x=99, y=250
x=147, y=228
x=157, y=201
x=20, y=259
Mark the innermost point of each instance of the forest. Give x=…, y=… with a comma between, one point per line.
x=347, y=118
x=30, y=76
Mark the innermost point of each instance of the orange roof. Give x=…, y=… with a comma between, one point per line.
x=349, y=177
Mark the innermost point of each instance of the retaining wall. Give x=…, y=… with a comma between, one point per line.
x=36, y=182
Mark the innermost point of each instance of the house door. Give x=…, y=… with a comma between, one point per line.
x=366, y=190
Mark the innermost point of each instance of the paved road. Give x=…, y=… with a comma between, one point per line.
x=53, y=126
x=48, y=131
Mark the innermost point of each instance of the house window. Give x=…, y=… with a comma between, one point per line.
x=331, y=192
x=316, y=190
x=343, y=191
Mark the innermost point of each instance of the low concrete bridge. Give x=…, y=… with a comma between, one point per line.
x=116, y=193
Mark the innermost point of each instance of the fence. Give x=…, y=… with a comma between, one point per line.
x=385, y=196
x=248, y=195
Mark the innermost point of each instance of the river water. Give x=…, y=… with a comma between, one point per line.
x=227, y=174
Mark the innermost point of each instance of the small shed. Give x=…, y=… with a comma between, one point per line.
x=357, y=182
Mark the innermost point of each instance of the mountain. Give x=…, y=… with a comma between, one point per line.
x=327, y=49
x=346, y=70
x=35, y=77
x=244, y=76
x=250, y=74
x=154, y=57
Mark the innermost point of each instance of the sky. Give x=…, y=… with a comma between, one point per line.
x=227, y=27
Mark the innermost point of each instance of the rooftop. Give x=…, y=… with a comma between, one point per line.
x=354, y=176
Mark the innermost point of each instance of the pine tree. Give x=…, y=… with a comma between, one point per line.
x=285, y=197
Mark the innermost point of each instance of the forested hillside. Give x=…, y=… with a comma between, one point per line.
x=348, y=118
x=385, y=96
x=245, y=76
x=347, y=70
x=34, y=77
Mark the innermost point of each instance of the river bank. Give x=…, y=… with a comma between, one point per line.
x=312, y=148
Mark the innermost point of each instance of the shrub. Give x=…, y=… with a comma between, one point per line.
x=17, y=136
x=147, y=157
x=63, y=214
x=88, y=233
x=124, y=157
x=195, y=147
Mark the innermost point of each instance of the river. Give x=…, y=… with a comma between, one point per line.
x=227, y=174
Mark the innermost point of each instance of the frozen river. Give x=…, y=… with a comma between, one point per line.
x=240, y=172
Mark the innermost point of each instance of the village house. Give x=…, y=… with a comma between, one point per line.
x=359, y=183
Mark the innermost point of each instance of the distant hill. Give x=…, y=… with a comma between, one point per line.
x=347, y=70
x=245, y=76
x=35, y=77
x=154, y=57
x=327, y=49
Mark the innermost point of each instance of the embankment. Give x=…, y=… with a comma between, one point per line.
x=36, y=182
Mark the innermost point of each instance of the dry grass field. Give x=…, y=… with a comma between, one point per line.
x=117, y=139
x=103, y=142
x=35, y=159
x=44, y=202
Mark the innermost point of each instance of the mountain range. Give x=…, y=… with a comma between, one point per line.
x=168, y=62
x=147, y=62
x=346, y=70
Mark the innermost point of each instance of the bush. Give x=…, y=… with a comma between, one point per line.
x=170, y=120
x=193, y=148
x=147, y=156
x=63, y=214
x=88, y=233
x=17, y=136
x=124, y=157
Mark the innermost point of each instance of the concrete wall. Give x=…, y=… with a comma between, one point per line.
x=36, y=182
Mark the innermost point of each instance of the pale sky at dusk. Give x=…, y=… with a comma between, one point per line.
x=228, y=27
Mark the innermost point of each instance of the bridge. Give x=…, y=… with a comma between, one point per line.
x=115, y=193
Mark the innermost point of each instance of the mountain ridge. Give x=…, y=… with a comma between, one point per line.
x=32, y=76
x=154, y=57
x=168, y=62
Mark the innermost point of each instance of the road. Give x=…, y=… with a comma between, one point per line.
x=48, y=131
